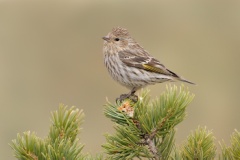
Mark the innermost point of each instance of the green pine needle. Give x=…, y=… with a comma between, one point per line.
x=65, y=123
x=200, y=145
x=232, y=152
x=149, y=131
x=144, y=130
x=28, y=146
x=61, y=143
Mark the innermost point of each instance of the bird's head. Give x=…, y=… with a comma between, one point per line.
x=118, y=38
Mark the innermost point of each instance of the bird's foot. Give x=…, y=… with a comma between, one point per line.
x=132, y=97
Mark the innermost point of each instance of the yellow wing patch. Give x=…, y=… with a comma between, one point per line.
x=153, y=69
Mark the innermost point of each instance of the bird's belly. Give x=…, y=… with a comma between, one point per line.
x=131, y=76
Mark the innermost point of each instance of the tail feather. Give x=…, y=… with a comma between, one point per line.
x=184, y=80
x=177, y=77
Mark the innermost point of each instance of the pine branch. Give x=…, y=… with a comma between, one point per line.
x=232, y=152
x=146, y=129
x=199, y=146
x=62, y=142
x=28, y=146
x=65, y=124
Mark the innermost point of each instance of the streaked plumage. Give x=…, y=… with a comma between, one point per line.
x=132, y=66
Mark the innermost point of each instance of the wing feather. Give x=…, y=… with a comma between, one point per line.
x=144, y=61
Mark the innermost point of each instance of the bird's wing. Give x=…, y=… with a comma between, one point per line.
x=144, y=61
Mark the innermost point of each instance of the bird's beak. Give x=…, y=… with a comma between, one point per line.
x=106, y=38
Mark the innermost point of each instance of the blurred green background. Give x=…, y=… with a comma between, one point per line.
x=51, y=53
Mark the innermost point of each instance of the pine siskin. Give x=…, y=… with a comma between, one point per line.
x=132, y=66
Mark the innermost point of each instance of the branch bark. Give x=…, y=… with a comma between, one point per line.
x=152, y=146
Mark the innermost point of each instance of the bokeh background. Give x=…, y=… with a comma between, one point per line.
x=51, y=53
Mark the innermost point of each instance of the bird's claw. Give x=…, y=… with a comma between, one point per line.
x=132, y=97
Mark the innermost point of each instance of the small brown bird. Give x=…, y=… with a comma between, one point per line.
x=132, y=66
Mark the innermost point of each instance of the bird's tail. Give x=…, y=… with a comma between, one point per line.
x=184, y=80
x=179, y=78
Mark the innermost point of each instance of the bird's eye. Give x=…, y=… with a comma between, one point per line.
x=116, y=39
